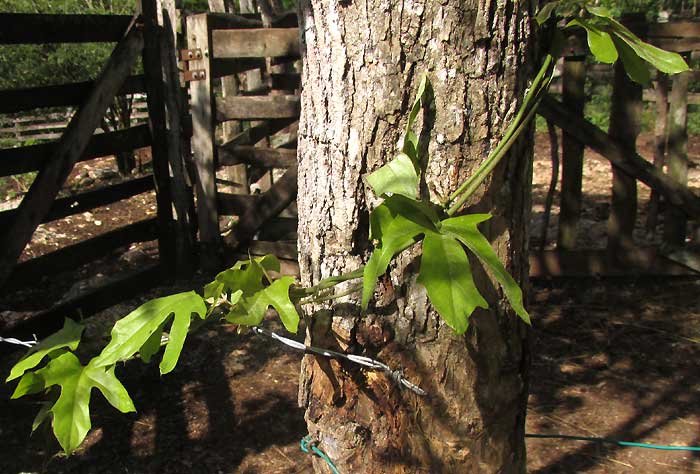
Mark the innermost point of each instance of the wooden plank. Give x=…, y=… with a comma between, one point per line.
x=693, y=97
x=153, y=71
x=72, y=145
x=597, y=263
x=675, y=223
x=261, y=157
x=87, y=200
x=674, y=29
x=677, y=45
x=573, y=96
x=34, y=157
x=30, y=28
x=256, y=43
x=182, y=195
x=117, y=289
x=279, y=228
x=257, y=108
x=660, y=137
x=203, y=148
x=270, y=204
x=630, y=162
x=73, y=256
x=16, y=100
x=235, y=204
x=625, y=125
x=254, y=134
x=219, y=20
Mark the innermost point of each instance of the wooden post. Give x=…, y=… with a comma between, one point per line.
x=675, y=221
x=36, y=204
x=625, y=112
x=153, y=70
x=203, y=146
x=573, y=81
x=660, y=140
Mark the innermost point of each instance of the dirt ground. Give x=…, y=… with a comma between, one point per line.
x=612, y=358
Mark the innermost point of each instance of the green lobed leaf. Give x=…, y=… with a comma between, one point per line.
x=251, y=310
x=71, y=411
x=67, y=337
x=135, y=330
x=465, y=229
x=664, y=61
x=446, y=274
x=399, y=176
x=635, y=67
x=599, y=41
x=395, y=224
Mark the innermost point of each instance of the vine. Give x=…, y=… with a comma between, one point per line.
x=242, y=294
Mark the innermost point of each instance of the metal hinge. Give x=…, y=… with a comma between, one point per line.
x=195, y=75
x=191, y=54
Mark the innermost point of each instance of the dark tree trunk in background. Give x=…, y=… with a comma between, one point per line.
x=363, y=60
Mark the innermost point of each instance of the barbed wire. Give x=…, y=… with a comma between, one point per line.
x=366, y=362
x=17, y=342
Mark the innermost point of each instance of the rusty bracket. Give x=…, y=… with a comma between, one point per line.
x=190, y=54
x=195, y=75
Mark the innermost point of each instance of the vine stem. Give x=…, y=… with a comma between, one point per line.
x=526, y=112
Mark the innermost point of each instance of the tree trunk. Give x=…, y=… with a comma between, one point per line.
x=363, y=61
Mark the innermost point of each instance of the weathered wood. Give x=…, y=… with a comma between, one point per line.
x=153, y=70
x=93, y=300
x=16, y=100
x=597, y=263
x=72, y=145
x=280, y=228
x=261, y=157
x=222, y=21
x=254, y=134
x=269, y=205
x=256, y=43
x=660, y=139
x=675, y=223
x=34, y=157
x=181, y=193
x=203, y=149
x=30, y=28
x=73, y=256
x=629, y=161
x=257, y=108
x=625, y=113
x=573, y=82
x=86, y=201
x=693, y=97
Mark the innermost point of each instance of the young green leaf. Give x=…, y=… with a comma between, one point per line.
x=599, y=41
x=67, y=337
x=635, y=68
x=396, y=224
x=250, y=310
x=465, y=229
x=447, y=276
x=71, y=412
x=135, y=330
x=399, y=176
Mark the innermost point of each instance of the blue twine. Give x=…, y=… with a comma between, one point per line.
x=614, y=441
x=306, y=443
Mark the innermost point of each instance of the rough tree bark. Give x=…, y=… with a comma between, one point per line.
x=363, y=60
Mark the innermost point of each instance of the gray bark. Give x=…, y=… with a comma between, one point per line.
x=363, y=61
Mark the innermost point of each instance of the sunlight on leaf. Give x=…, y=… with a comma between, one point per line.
x=399, y=176
x=66, y=338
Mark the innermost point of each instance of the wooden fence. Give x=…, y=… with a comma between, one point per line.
x=21, y=128
x=623, y=255
x=142, y=37
x=258, y=111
